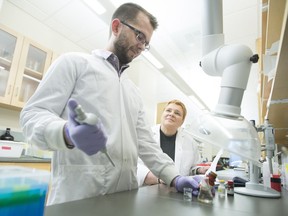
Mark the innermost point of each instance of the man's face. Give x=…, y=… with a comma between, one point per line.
x=126, y=45
x=123, y=48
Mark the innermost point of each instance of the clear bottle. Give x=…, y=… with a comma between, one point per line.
x=7, y=135
x=205, y=194
x=221, y=189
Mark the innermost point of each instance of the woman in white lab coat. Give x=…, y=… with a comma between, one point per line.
x=174, y=141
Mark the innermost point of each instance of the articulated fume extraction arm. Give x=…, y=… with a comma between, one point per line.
x=224, y=126
x=231, y=62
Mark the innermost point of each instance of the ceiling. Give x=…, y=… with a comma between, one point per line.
x=176, y=43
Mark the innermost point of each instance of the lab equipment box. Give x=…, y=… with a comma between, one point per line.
x=23, y=191
x=11, y=149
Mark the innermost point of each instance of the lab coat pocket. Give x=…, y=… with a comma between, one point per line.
x=81, y=181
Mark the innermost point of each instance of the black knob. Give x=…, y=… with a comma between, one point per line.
x=254, y=58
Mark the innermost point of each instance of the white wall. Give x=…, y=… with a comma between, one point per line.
x=9, y=118
x=140, y=73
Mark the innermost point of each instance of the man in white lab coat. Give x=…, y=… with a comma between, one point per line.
x=178, y=144
x=97, y=82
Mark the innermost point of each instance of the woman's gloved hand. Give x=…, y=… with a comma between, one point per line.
x=89, y=136
x=182, y=182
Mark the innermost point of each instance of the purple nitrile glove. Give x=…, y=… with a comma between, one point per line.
x=198, y=178
x=182, y=182
x=89, y=138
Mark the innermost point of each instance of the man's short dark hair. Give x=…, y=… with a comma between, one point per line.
x=129, y=12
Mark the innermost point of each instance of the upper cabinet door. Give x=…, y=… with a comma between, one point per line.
x=23, y=63
x=10, y=51
x=34, y=61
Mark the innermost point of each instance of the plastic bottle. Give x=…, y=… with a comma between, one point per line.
x=221, y=189
x=7, y=135
x=230, y=188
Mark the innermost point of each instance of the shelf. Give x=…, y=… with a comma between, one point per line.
x=274, y=93
x=274, y=21
x=5, y=63
x=33, y=74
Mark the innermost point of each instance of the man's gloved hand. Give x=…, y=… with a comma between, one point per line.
x=198, y=178
x=182, y=182
x=90, y=138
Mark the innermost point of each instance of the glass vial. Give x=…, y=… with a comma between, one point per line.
x=221, y=189
x=187, y=194
x=230, y=188
x=205, y=194
x=7, y=135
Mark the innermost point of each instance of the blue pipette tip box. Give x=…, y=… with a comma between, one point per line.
x=23, y=190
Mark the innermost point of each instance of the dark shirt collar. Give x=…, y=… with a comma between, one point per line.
x=113, y=60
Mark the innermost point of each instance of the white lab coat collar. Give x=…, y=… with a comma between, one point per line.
x=186, y=150
x=101, y=52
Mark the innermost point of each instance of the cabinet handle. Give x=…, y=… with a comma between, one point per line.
x=9, y=89
x=16, y=94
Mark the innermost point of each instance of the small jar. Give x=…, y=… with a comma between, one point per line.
x=230, y=188
x=221, y=189
x=212, y=178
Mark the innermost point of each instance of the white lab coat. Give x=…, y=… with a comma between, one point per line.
x=186, y=154
x=95, y=84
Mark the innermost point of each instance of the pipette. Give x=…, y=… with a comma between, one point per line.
x=90, y=119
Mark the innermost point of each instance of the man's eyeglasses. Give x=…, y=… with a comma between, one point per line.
x=140, y=37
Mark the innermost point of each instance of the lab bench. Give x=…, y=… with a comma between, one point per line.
x=27, y=161
x=162, y=200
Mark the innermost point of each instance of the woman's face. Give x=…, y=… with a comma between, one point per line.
x=172, y=116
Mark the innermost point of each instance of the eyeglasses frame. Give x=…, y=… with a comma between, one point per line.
x=137, y=33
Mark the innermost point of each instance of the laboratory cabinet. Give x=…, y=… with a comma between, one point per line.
x=23, y=63
x=273, y=94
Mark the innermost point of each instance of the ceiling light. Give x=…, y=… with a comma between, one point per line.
x=152, y=60
x=186, y=89
x=95, y=6
x=198, y=103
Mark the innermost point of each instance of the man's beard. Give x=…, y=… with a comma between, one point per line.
x=121, y=50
